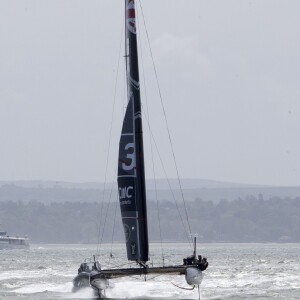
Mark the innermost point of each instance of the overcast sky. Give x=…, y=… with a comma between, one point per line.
x=229, y=73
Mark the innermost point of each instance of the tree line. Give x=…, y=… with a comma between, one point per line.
x=253, y=219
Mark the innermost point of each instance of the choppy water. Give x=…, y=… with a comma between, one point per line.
x=236, y=271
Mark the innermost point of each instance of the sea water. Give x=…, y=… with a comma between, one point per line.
x=236, y=271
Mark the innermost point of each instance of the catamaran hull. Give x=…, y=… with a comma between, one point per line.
x=100, y=283
x=193, y=276
x=82, y=281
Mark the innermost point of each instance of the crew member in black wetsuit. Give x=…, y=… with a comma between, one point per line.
x=202, y=263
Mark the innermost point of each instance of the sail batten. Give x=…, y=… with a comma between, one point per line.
x=131, y=174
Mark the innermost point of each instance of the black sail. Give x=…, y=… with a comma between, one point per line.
x=131, y=173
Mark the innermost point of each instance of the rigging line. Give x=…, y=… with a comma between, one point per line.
x=153, y=277
x=124, y=109
x=113, y=233
x=110, y=197
x=183, y=288
x=151, y=146
x=148, y=279
x=166, y=120
x=169, y=184
x=109, y=140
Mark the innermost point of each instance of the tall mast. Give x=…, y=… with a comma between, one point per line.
x=131, y=173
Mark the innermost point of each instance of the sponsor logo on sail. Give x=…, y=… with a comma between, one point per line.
x=125, y=192
x=133, y=248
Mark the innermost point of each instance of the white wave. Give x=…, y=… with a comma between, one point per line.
x=21, y=274
x=44, y=287
x=131, y=289
x=84, y=293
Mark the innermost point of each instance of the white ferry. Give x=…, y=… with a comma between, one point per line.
x=13, y=242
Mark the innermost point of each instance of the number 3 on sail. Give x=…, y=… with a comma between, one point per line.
x=130, y=156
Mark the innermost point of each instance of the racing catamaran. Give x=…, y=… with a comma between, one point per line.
x=132, y=188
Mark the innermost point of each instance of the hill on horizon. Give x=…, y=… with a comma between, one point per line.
x=207, y=190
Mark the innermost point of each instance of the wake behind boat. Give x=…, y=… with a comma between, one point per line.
x=132, y=190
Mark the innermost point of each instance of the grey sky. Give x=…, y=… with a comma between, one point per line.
x=229, y=73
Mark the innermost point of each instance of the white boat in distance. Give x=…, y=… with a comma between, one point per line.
x=13, y=242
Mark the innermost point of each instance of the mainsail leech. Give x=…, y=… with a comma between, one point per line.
x=131, y=173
